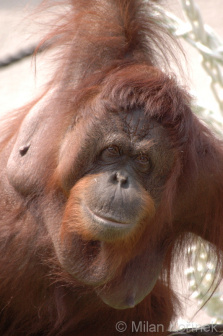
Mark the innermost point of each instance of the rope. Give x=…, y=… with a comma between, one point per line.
x=201, y=37
x=20, y=55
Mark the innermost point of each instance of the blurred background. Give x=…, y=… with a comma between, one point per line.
x=22, y=81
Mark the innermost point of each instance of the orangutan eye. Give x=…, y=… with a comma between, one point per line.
x=111, y=153
x=113, y=150
x=142, y=159
x=143, y=163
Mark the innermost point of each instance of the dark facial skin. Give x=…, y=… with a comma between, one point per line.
x=129, y=167
x=116, y=204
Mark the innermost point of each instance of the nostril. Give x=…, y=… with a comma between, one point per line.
x=120, y=178
x=113, y=178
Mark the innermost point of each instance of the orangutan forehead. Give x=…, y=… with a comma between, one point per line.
x=135, y=123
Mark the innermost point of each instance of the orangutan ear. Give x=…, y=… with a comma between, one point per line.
x=31, y=159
